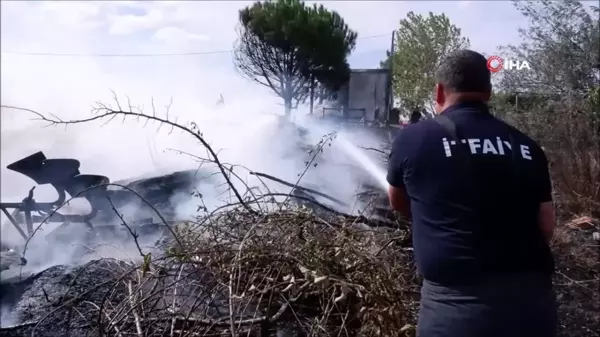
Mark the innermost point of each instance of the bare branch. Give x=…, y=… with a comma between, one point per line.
x=105, y=112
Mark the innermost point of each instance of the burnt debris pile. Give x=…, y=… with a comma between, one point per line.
x=264, y=267
x=103, y=197
x=236, y=272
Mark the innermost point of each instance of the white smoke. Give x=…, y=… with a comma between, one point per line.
x=243, y=131
x=240, y=119
x=243, y=127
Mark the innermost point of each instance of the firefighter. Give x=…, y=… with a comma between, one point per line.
x=479, y=194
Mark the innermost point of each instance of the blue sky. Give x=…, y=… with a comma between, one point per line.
x=132, y=27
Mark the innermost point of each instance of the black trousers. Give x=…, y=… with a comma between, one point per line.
x=509, y=306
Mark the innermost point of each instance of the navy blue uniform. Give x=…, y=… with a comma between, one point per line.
x=475, y=196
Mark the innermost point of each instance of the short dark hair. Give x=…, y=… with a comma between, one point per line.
x=464, y=71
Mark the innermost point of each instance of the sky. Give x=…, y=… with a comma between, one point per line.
x=68, y=86
x=139, y=27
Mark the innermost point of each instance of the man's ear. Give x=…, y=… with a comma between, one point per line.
x=488, y=96
x=439, y=94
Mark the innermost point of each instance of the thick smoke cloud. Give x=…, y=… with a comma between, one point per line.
x=245, y=130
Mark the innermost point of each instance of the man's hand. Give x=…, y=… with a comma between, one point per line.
x=399, y=200
x=547, y=219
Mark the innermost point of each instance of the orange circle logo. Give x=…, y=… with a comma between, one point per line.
x=495, y=64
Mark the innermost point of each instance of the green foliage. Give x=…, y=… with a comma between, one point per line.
x=562, y=46
x=286, y=45
x=146, y=264
x=506, y=102
x=558, y=101
x=421, y=43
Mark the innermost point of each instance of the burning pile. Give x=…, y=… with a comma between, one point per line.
x=298, y=269
x=238, y=272
x=287, y=272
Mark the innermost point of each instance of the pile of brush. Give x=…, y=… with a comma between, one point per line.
x=288, y=272
x=285, y=272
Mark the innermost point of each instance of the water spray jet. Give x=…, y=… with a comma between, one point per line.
x=361, y=158
x=354, y=153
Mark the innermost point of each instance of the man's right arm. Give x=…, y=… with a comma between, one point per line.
x=398, y=159
x=547, y=219
x=546, y=213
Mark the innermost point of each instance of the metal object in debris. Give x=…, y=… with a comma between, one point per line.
x=64, y=176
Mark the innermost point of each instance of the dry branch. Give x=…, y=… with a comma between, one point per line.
x=105, y=112
x=323, y=276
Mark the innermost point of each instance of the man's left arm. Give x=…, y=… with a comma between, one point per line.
x=398, y=197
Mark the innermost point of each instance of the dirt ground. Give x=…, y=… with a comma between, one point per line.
x=577, y=281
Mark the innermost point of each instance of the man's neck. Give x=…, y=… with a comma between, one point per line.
x=464, y=100
x=479, y=104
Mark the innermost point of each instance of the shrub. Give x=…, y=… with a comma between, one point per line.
x=569, y=132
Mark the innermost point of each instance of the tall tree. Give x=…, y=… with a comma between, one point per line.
x=557, y=102
x=291, y=47
x=562, y=46
x=421, y=43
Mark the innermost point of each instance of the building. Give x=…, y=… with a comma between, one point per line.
x=365, y=98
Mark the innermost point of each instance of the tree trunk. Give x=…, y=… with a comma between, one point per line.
x=312, y=94
x=288, y=96
x=288, y=106
x=287, y=101
x=321, y=95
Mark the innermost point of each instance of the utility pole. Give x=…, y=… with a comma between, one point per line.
x=312, y=93
x=389, y=96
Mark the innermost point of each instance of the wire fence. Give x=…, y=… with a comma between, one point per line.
x=212, y=52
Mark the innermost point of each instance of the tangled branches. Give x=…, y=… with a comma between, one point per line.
x=238, y=274
x=246, y=268
x=108, y=113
